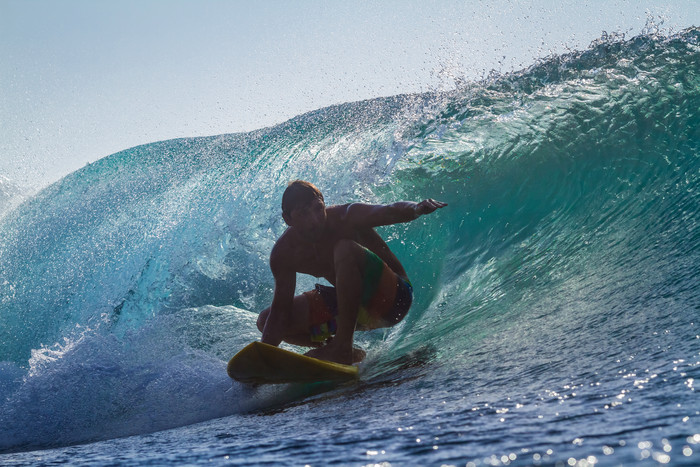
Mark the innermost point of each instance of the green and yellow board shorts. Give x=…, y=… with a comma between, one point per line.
x=386, y=298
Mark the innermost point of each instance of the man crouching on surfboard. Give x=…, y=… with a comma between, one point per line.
x=339, y=244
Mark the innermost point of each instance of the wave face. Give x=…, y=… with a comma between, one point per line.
x=572, y=233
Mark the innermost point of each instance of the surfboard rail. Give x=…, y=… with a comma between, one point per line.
x=262, y=363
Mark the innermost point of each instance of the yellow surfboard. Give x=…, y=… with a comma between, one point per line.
x=266, y=364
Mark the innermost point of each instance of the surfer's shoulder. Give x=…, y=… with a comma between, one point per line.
x=336, y=209
x=280, y=263
x=337, y=213
x=282, y=249
x=355, y=215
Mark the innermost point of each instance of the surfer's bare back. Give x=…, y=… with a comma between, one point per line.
x=339, y=244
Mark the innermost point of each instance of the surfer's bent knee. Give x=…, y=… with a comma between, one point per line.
x=262, y=319
x=345, y=248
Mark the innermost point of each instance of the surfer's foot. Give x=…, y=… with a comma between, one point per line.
x=330, y=353
x=358, y=354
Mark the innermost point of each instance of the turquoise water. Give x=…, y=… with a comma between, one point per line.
x=557, y=297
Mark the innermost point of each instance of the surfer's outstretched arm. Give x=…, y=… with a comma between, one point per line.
x=368, y=215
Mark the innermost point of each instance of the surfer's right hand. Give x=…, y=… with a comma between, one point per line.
x=427, y=206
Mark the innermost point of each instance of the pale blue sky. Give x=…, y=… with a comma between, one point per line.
x=82, y=79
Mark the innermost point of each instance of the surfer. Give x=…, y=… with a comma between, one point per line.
x=371, y=288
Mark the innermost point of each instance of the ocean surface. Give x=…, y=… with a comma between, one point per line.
x=556, y=318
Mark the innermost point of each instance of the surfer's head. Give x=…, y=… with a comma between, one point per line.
x=303, y=207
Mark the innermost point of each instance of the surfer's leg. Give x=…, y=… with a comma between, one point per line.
x=349, y=262
x=297, y=328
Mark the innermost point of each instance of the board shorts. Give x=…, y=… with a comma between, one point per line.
x=386, y=298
